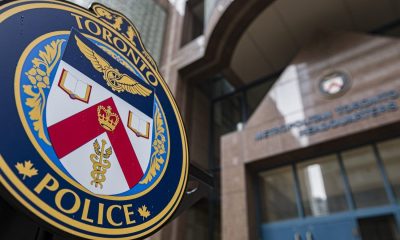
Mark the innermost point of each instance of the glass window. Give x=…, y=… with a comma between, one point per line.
x=228, y=117
x=390, y=155
x=278, y=198
x=365, y=178
x=193, y=23
x=216, y=86
x=148, y=16
x=221, y=86
x=322, y=186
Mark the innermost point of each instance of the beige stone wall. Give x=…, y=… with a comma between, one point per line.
x=373, y=66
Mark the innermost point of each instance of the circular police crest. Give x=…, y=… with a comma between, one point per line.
x=334, y=84
x=92, y=140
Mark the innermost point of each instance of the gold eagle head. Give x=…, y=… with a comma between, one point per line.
x=117, y=81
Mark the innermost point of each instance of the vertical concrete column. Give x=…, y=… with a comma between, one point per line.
x=233, y=189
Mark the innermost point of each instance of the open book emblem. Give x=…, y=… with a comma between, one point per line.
x=138, y=125
x=75, y=88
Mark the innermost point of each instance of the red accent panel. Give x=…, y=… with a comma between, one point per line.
x=75, y=131
x=126, y=155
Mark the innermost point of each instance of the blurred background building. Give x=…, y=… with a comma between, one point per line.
x=291, y=105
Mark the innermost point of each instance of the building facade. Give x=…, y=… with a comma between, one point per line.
x=292, y=106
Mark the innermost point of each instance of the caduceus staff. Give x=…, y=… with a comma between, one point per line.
x=100, y=163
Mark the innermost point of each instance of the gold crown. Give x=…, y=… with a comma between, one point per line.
x=107, y=119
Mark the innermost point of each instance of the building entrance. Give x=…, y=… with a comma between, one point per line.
x=348, y=195
x=374, y=228
x=344, y=228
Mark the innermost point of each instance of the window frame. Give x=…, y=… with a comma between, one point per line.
x=347, y=188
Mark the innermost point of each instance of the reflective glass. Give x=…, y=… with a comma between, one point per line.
x=278, y=198
x=365, y=178
x=322, y=186
x=148, y=16
x=228, y=117
x=390, y=155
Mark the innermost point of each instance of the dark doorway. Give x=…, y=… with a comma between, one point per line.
x=378, y=228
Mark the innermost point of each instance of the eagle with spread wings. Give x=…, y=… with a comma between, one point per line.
x=117, y=81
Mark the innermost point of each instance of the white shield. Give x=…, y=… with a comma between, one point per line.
x=71, y=94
